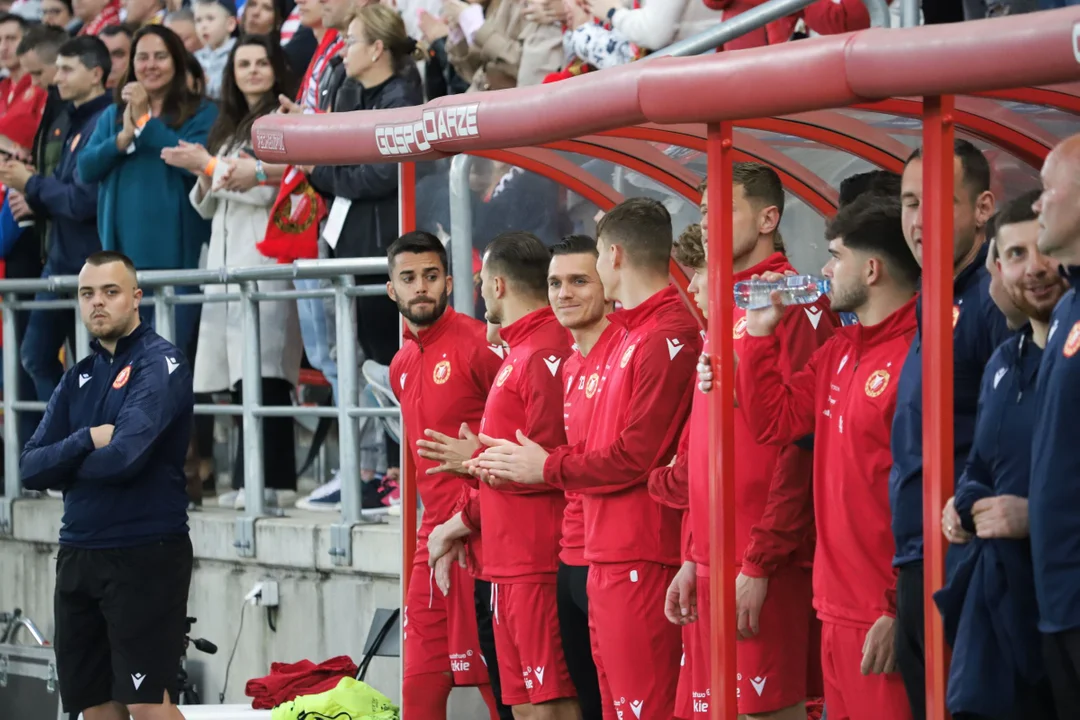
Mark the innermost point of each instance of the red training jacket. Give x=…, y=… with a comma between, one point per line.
x=846, y=396
x=774, y=510
x=645, y=399
x=441, y=377
x=521, y=523
x=582, y=394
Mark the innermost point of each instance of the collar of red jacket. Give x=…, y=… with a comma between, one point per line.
x=900, y=322
x=634, y=317
x=777, y=262
x=433, y=332
x=517, y=332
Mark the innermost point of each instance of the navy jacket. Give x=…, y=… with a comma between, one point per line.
x=978, y=328
x=988, y=604
x=1053, y=511
x=69, y=203
x=132, y=491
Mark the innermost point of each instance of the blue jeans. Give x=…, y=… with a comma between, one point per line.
x=46, y=332
x=315, y=331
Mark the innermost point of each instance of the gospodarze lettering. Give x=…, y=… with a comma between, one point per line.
x=270, y=141
x=449, y=123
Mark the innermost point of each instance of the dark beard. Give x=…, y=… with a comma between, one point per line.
x=847, y=301
x=418, y=314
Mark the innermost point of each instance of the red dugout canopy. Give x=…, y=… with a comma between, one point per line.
x=862, y=94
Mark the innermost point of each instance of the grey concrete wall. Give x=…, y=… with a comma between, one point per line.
x=324, y=610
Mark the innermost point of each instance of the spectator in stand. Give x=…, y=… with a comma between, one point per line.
x=656, y=23
x=299, y=37
x=262, y=17
x=21, y=102
x=196, y=78
x=978, y=328
x=143, y=207
x=440, y=77
x=485, y=45
x=1054, y=523
x=988, y=605
x=59, y=13
x=182, y=22
x=542, y=49
x=253, y=79
x=216, y=23
x=60, y=196
x=96, y=15
x=138, y=14
x=824, y=17
x=118, y=39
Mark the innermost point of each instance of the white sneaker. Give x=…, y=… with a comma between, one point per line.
x=325, y=498
x=58, y=494
x=271, y=499
x=229, y=499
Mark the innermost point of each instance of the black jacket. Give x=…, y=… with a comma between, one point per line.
x=372, y=222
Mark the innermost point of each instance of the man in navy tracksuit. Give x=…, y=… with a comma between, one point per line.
x=1055, y=453
x=988, y=604
x=114, y=438
x=62, y=201
x=978, y=328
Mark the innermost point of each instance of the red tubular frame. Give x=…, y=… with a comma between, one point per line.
x=721, y=427
x=937, y=368
x=407, y=223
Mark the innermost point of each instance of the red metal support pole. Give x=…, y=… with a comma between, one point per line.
x=407, y=223
x=937, y=367
x=721, y=426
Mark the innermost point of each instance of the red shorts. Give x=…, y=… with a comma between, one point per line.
x=772, y=667
x=440, y=632
x=532, y=666
x=636, y=649
x=850, y=695
x=684, y=709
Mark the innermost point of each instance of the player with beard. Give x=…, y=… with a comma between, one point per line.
x=577, y=296
x=114, y=438
x=846, y=396
x=988, y=605
x=441, y=377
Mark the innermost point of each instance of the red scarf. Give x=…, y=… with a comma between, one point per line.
x=109, y=16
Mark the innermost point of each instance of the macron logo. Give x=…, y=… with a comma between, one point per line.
x=814, y=314
x=83, y=379
x=673, y=348
x=553, y=364
x=759, y=684
x=403, y=380
x=635, y=706
x=172, y=364
x=539, y=675
x=498, y=350
x=137, y=679
x=998, y=375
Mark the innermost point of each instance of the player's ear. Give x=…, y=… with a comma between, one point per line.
x=449, y=284
x=390, y=291
x=137, y=296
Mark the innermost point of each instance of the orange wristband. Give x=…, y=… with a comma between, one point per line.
x=210, y=166
x=141, y=122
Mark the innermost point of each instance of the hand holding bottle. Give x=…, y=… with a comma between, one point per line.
x=762, y=322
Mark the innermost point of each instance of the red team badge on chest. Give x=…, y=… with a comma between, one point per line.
x=626, y=356
x=740, y=328
x=590, y=387
x=503, y=375
x=1072, y=343
x=442, y=372
x=122, y=378
x=877, y=382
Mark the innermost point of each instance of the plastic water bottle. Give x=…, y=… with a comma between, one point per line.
x=794, y=290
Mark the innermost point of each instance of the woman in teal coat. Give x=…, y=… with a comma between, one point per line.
x=143, y=206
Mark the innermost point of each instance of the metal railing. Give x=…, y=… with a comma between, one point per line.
x=343, y=289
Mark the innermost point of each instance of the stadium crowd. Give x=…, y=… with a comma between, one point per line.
x=560, y=450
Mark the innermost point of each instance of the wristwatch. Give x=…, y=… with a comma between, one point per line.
x=260, y=172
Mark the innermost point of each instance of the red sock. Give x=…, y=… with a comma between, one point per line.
x=489, y=699
x=423, y=697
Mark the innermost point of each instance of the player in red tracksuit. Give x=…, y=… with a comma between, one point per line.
x=441, y=378
x=846, y=397
x=631, y=541
x=774, y=521
x=521, y=525
x=577, y=296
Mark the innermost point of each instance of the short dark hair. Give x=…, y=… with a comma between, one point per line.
x=689, y=249
x=1016, y=211
x=104, y=257
x=642, y=227
x=522, y=259
x=91, y=52
x=114, y=30
x=878, y=182
x=417, y=242
x=761, y=185
x=6, y=17
x=872, y=224
x=575, y=245
x=973, y=163
x=45, y=40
